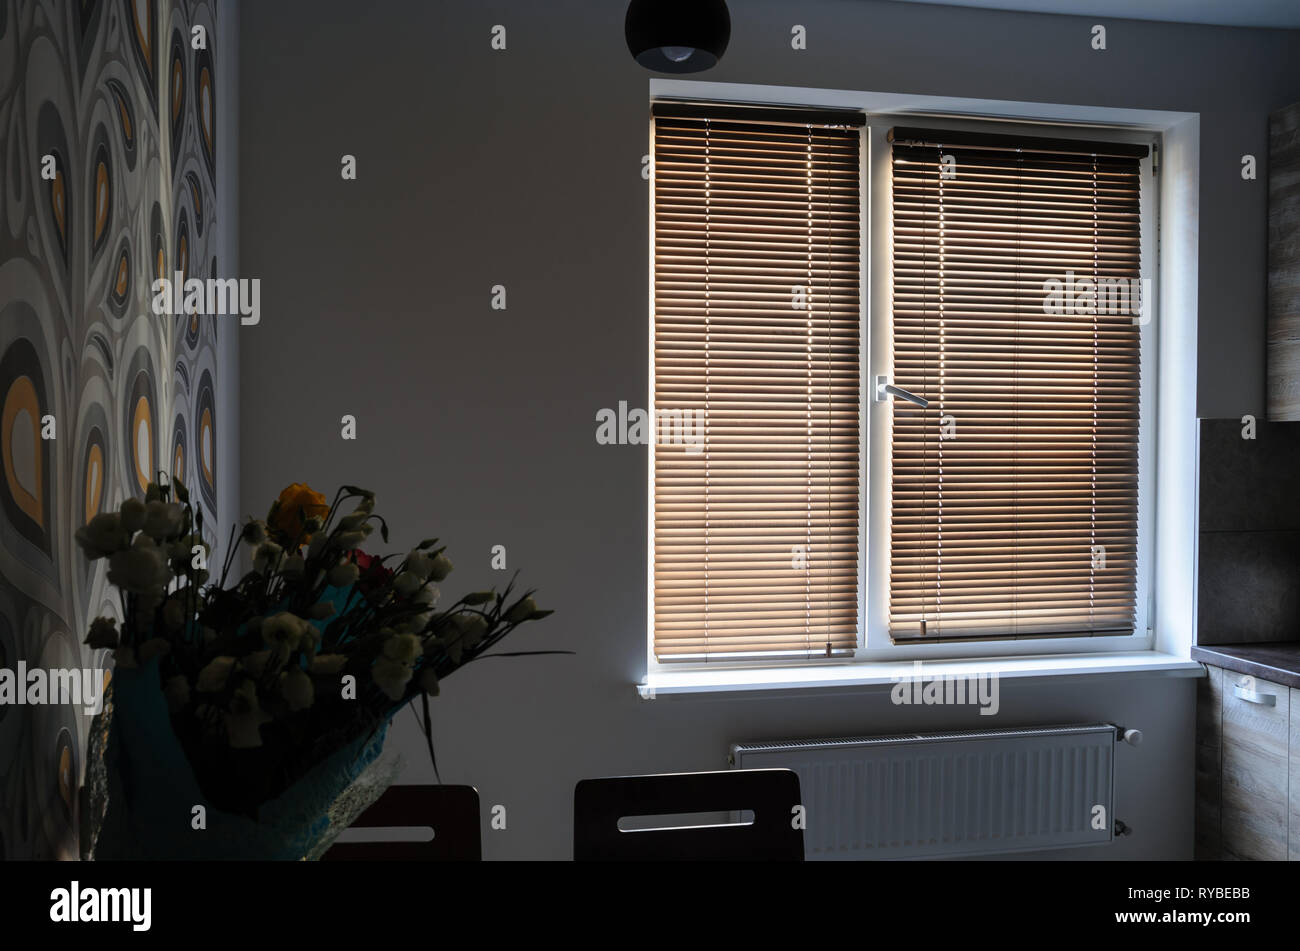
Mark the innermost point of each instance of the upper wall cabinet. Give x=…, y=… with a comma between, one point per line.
x=1284, y=264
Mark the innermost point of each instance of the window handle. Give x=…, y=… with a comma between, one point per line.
x=885, y=389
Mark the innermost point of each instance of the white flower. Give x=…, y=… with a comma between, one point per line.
x=102, y=535
x=391, y=677
x=521, y=611
x=141, y=569
x=132, y=512
x=429, y=595
x=414, y=623
x=326, y=664
x=419, y=564
x=316, y=545
x=352, y=522
x=407, y=583
x=357, y=517
x=150, y=601
x=297, y=689
x=429, y=682
x=353, y=539
x=254, y=532
x=214, y=676
x=153, y=492
x=255, y=663
x=162, y=519
x=472, y=627
x=441, y=568
x=343, y=575
x=294, y=565
x=266, y=557
x=181, y=555
x=401, y=648
x=285, y=629
x=307, y=641
x=245, y=718
x=177, y=692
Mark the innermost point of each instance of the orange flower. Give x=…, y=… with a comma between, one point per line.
x=295, y=505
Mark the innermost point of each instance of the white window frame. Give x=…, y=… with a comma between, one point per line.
x=882, y=112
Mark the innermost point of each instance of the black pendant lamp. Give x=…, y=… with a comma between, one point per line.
x=677, y=36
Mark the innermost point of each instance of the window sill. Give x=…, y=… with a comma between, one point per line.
x=866, y=675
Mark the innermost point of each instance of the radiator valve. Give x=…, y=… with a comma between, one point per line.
x=1131, y=737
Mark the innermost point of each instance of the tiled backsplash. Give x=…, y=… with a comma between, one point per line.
x=1248, y=569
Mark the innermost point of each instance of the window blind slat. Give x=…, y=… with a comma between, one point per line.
x=1015, y=492
x=756, y=327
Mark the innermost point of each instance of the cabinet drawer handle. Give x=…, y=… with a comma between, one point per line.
x=1251, y=695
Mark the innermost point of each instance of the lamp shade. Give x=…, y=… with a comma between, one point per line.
x=677, y=36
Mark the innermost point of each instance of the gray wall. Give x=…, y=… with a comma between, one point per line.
x=522, y=168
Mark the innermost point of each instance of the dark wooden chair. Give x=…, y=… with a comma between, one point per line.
x=452, y=812
x=771, y=794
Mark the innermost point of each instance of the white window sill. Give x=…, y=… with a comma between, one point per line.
x=757, y=679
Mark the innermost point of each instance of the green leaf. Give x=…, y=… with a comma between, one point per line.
x=478, y=597
x=182, y=493
x=427, y=543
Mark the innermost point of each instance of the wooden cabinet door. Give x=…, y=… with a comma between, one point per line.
x=1295, y=776
x=1256, y=770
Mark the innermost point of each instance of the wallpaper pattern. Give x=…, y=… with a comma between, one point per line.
x=118, y=94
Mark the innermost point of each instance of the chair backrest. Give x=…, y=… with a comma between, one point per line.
x=452, y=812
x=771, y=794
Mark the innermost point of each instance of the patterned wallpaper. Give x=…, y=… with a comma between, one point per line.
x=116, y=92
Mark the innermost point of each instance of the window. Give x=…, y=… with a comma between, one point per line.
x=1007, y=288
x=757, y=309
x=1017, y=311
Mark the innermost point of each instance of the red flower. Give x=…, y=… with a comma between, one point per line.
x=374, y=576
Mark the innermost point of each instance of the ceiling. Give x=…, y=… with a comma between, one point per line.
x=1261, y=13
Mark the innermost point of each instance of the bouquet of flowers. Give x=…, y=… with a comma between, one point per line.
x=239, y=714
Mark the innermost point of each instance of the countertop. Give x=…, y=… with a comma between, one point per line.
x=1277, y=661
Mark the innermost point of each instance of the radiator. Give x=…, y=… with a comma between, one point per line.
x=949, y=794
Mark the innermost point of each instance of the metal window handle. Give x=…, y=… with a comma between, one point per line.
x=1251, y=695
x=885, y=389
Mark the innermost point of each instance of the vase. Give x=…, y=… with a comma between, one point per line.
x=143, y=801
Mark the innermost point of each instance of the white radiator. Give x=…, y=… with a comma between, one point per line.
x=947, y=794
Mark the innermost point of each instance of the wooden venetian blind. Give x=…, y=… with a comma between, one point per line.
x=1015, y=493
x=756, y=327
